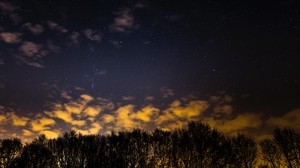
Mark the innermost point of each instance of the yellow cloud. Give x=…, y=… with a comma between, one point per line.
x=63, y=115
x=146, y=113
x=92, y=111
x=290, y=119
x=95, y=128
x=50, y=134
x=27, y=132
x=108, y=118
x=19, y=121
x=124, y=117
x=78, y=122
x=2, y=119
x=42, y=124
x=39, y=125
x=224, y=109
x=86, y=97
x=241, y=122
x=176, y=111
x=74, y=107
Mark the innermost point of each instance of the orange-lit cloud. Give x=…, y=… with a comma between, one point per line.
x=92, y=111
x=2, y=119
x=27, y=132
x=237, y=124
x=91, y=115
x=95, y=129
x=42, y=124
x=180, y=115
x=50, y=134
x=18, y=121
x=290, y=119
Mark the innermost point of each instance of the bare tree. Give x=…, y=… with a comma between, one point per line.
x=10, y=149
x=246, y=151
x=270, y=153
x=289, y=144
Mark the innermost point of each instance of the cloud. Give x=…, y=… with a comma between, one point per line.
x=50, y=134
x=86, y=97
x=187, y=112
x=220, y=110
x=290, y=119
x=127, y=98
x=237, y=124
x=42, y=124
x=31, y=54
x=18, y=121
x=34, y=29
x=108, y=118
x=3, y=119
x=9, y=37
x=149, y=98
x=26, y=132
x=146, y=114
x=92, y=35
x=92, y=111
x=7, y=7
x=74, y=37
x=166, y=92
x=95, y=128
x=55, y=26
x=75, y=112
x=60, y=114
x=123, y=22
x=30, y=48
x=124, y=118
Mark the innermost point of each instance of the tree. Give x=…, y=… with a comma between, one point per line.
x=245, y=150
x=289, y=144
x=270, y=153
x=35, y=155
x=10, y=149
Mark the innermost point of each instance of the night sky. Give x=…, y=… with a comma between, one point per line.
x=96, y=66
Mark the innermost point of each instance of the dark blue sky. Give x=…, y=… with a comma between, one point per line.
x=147, y=53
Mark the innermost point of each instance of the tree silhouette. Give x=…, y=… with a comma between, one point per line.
x=245, y=150
x=270, y=153
x=289, y=144
x=196, y=146
x=9, y=150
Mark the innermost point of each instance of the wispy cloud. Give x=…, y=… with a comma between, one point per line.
x=7, y=7
x=10, y=38
x=34, y=29
x=29, y=48
x=56, y=27
x=166, y=92
x=92, y=35
x=124, y=21
x=291, y=119
x=239, y=124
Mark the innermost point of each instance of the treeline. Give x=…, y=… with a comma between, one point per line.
x=197, y=146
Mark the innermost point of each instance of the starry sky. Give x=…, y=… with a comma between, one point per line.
x=97, y=66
